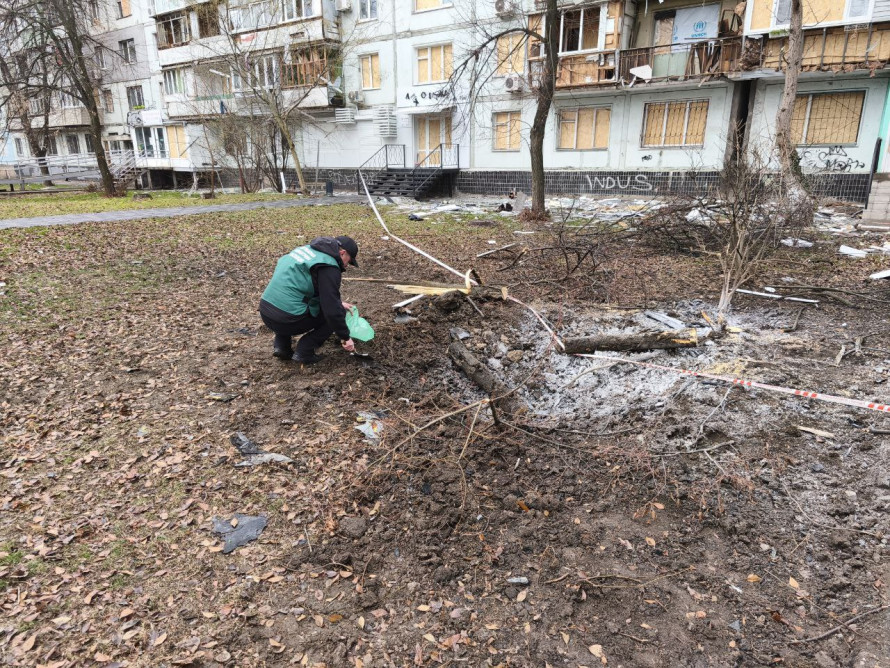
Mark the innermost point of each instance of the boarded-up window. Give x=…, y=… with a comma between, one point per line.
x=370, y=71
x=423, y=5
x=307, y=67
x=434, y=63
x=680, y=123
x=535, y=46
x=510, y=54
x=664, y=31
x=584, y=129
x=827, y=118
x=123, y=8
x=506, y=130
x=176, y=139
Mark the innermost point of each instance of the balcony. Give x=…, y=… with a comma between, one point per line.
x=69, y=116
x=838, y=49
x=679, y=62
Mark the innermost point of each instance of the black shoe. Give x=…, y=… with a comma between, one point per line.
x=283, y=354
x=311, y=358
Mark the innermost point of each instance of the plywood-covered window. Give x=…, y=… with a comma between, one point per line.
x=307, y=67
x=580, y=29
x=584, y=128
x=176, y=139
x=680, y=123
x=507, y=130
x=424, y=5
x=827, y=118
x=123, y=9
x=535, y=46
x=510, y=54
x=370, y=71
x=434, y=63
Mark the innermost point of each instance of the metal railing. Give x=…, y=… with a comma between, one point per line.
x=444, y=156
x=390, y=156
x=681, y=61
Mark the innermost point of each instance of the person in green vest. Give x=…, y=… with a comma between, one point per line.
x=303, y=297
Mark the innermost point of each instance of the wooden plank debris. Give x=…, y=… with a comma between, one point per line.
x=677, y=338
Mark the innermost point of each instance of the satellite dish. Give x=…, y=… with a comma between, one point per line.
x=643, y=72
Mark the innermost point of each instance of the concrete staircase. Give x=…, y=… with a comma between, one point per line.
x=877, y=213
x=410, y=182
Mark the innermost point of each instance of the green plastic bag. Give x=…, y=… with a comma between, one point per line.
x=359, y=328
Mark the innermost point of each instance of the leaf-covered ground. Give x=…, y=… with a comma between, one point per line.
x=132, y=352
x=30, y=206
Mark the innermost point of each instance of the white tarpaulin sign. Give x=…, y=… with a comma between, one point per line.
x=695, y=24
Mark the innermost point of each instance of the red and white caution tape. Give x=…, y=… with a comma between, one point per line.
x=844, y=401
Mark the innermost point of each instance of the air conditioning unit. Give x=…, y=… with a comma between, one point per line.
x=344, y=5
x=344, y=116
x=505, y=7
x=385, y=121
x=355, y=96
x=513, y=83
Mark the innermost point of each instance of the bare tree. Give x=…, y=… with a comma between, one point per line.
x=62, y=27
x=540, y=32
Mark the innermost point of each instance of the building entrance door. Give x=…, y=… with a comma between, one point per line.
x=429, y=132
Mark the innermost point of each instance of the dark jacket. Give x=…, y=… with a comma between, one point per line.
x=326, y=284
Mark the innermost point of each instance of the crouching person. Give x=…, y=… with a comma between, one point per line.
x=303, y=297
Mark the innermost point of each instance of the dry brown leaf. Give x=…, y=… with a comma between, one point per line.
x=650, y=541
x=754, y=578
x=521, y=596
x=793, y=583
x=160, y=639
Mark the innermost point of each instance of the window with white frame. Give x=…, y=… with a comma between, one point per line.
x=173, y=30
x=367, y=9
x=506, y=125
x=52, y=147
x=108, y=98
x=827, y=118
x=101, y=60
x=370, y=65
x=679, y=123
x=252, y=16
x=127, y=50
x=296, y=9
x=263, y=73
x=88, y=140
x=38, y=106
x=833, y=12
x=174, y=81
x=73, y=144
x=208, y=20
x=584, y=128
x=68, y=100
x=434, y=63
x=134, y=97
x=579, y=29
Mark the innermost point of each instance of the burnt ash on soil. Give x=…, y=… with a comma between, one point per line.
x=626, y=516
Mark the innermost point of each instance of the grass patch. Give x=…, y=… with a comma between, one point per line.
x=65, y=203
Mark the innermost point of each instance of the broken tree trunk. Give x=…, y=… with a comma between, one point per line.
x=476, y=371
x=677, y=338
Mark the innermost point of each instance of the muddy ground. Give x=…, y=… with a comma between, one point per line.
x=624, y=515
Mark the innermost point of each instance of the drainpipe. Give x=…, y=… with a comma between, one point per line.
x=884, y=130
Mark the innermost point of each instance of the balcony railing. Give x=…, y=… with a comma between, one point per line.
x=843, y=48
x=682, y=61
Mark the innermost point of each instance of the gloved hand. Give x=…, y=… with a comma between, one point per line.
x=348, y=345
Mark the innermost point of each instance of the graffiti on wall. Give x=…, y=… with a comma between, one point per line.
x=340, y=177
x=829, y=159
x=638, y=182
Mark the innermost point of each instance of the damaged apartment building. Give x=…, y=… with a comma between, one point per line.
x=652, y=96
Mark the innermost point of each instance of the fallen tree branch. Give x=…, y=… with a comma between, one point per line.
x=843, y=625
x=677, y=338
x=476, y=370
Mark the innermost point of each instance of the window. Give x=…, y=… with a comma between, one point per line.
x=173, y=30
x=101, y=62
x=584, y=129
x=510, y=54
x=370, y=71
x=88, y=139
x=20, y=148
x=664, y=31
x=535, y=25
x=263, y=72
x=68, y=100
x=827, y=118
x=679, y=123
x=367, y=9
x=176, y=137
x=506, y=130
x=38, y=106
x=253, y=16
x=93, y=9
x=134, y=97
x=434, y=63
x=127, y=50
x=297, y=9
x=174, y=82
x=580, y=29
x=208, y=20
x=73, y=144
x=424, y=5
x=52, y=147
x=123, y=8
x=108, y=99
x=143, y=142
x=307, y=67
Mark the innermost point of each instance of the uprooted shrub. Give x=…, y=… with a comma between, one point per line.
x=741, y=222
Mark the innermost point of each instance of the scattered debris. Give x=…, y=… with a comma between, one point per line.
x=665, y=319
x=678, y=338
x=852, y=252
x=404, y=319
x=777, y=296
x=816, y=432
x=221, y=397
x=253, y=454
x=497, y=250
x=244, y=445
x=459, y=334
x=880, y=274
x=370, y=424
x=479, y=373
x=239, y=531
x=797, y=243
x=416, y=216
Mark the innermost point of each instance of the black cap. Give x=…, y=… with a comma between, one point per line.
x=348, y=244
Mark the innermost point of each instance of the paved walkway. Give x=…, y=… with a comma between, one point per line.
x=173, y=211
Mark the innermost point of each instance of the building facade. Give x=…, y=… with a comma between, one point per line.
x=652, y=95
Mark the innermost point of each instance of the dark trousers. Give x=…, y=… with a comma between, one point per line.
x=315, y=328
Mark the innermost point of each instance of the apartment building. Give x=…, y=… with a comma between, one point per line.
x=652, y=95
